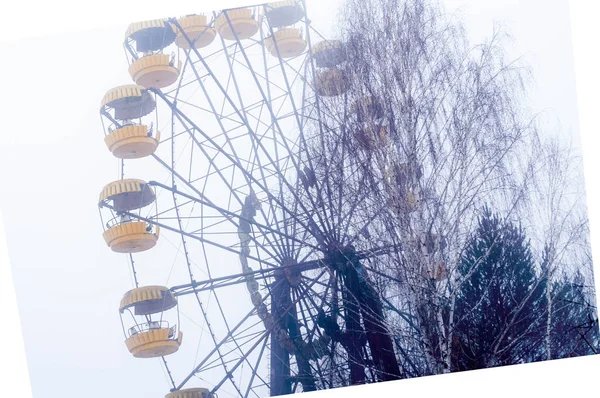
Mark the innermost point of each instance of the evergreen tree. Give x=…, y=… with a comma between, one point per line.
x=573, y=323
x=498, y=307
x=574, y=328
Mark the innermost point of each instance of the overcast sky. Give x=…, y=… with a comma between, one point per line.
x=55, y=163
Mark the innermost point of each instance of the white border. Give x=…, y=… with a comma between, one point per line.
x=14, y=374
x=556, y=378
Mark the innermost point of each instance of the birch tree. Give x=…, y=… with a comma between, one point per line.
x=437, y=127
x=432, y=130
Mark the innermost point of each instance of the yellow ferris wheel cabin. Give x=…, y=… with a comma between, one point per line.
x=404, y=192
x=284, y=13
x=129, y=140
x=238, y=23
x=132, y=141
x=371, y=137
x=123, y=234
x=286, y=43
x=329, y=53
x=197, y=29
x=191, y=393
x=154, y=69
x=152, y=35
x=331, y=82
x=129, y=102
x=128, y=194
x=368, y=107
x=149, y=338
x=406, y=202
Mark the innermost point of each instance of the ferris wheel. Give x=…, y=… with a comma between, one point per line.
x=257, y=146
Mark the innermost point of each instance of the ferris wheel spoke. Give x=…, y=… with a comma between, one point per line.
x=187, y=234
x=207, y=111
x=303, y=143
x=218, y=148
x=327, y=171
x=340, y=188
x=256, y=373
x=218, y=351
x=316, y=368
x=262, y=76
x=226, y=356
x=268, y=331
x=366, y=224
x=317, y=105
x=189, y=266
x=310, y=279
x=237, y=164
x=257, y=164
x=241, y=336
x=310, y=332
x=182, y=85
x=239, y=342
x=205, y=233
x=205, y=362
x=218, y=119
x=346, y=220
x=265, y=171
x=309, y=250
x=205, y=201
x=262, y=93
x=264, y=229
x=355, y=186
x=267, y=100
x=230, y=336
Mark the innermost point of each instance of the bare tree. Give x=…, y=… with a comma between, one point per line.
x=430, y=129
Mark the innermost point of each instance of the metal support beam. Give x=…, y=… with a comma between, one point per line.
x=279, y=379
x=380, y=341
